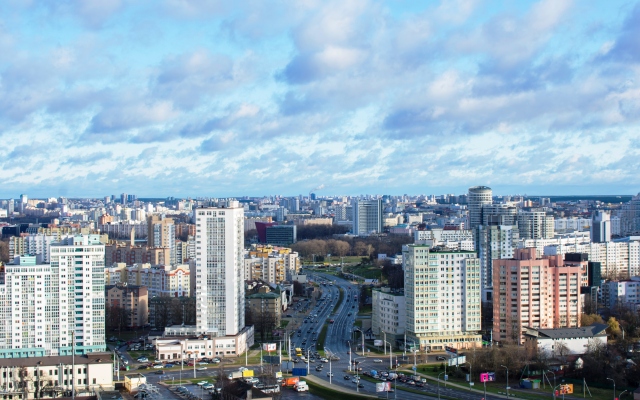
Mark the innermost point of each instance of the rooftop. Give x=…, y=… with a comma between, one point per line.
x=569, y=333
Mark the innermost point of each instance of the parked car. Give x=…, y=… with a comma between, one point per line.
x=441, y=358
x=377, y=360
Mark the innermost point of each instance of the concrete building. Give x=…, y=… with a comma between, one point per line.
x=134, y=299
x=535, y=225
x=535, y=292
x=161, y=280
x=478, y=197
x=131, y=254
x=494, y=242
x=161, y=232
x=569, y=341
x=281, y=235
x=265, y=302
x=601, y=227
x=389, y=314
x=624, y=294
x=54, y=376
x=630, y=217
x=219, y=269
x=48, y=308
x=174, y=345
x=442, y=294
x=367, y=217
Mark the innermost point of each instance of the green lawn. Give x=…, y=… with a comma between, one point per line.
x=367, y=272
x=340, y=300
x=499, y=387
x=366, y=310
x=322, y=337
x=284, y=323
x=327, y=393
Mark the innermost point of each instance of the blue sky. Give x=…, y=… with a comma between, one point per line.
x=220, y=98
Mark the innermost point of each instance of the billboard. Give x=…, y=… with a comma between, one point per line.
x=269, y=346
x=567, y=388
x=299, y=372
x=457, y=360
x=488, y=377
x=383, y=386
x=377, y=342
x=247, y=373
x=451, y=350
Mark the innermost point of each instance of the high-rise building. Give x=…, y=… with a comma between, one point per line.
x=630, y=217
x=601, y=227
x=535, y=225
x=54, y=306
x=367, y=217
x=123, y=199
x=442, y=295
x=24, y=199
x=161, y=232
x=219, y=269
x=478, y=197
x=535, y=292
x=494, y=242
x=10, y=206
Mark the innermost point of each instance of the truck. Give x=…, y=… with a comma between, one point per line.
x=235, y=375
x=392, y=375
x=291, y=382
x=417, y=378
x=301, y=386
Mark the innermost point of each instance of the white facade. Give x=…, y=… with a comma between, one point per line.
x=441, y=235
x=389, y=313
x=623, y=293
x=219, y=269
x=535, y=225
x=367, y=217
x=442, y=291
x=562, y=225
x=618, y=259
x=565, y=341
x=52, y=303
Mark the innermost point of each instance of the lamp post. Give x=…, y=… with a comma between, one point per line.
x=470, y=373
x=349, y=355
x=507, y=379
x=614, y=387
x=390, y=356
x=439, y=384
x=622, y=394
x=357, y=372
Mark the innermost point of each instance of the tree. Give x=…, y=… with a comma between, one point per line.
x=614, y=326
x=360, y=249
x=298, y=288
x=4, y=251
x=590, y=319
x=394, y=275
x=117, y=318
x=263, y=321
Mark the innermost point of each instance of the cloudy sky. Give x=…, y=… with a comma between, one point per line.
x=228, y=98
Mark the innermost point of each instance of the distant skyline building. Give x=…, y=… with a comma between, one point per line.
x=367, y=217
x=478, y=197
x=219, y=265
x=535, y=225
x=161, y=232
x=601, y=227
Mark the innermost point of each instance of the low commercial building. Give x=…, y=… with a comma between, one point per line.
x=179, y=342
x=564, y=341
x=56, y=376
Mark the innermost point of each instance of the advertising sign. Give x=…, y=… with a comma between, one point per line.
x=567, y=388
x=247, y=373
x=451, y=350
x=299, y=372
x=279, y=374
x=383, y=386
x=269, y=346
x=487, y=377
x=377, y=342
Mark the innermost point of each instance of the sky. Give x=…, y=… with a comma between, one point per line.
x=230, y=98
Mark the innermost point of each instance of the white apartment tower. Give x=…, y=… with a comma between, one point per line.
x=442, y=294
x=367, y=217
x=54, y=306
x=478, y=197
x=219, y=269
x=601, y=227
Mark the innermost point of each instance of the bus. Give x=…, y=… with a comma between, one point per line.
x=298, y=352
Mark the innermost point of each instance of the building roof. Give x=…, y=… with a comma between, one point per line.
x=269, y=295
x=569, y=333
x=90, y=358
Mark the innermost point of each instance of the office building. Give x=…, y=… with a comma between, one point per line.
x=281, y=235
x=367, y=217
x=442, y=295
x=219, y=269
x=601, y=227
x=478, y=197
x=535, y=292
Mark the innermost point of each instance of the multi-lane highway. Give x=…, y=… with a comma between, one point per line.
x=342, y=342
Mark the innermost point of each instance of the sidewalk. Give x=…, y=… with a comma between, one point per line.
x=336, y=388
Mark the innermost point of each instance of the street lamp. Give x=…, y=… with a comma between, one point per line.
x=507, y=379
x=390, y=355
x=439, y=384
x=470, y=373
x=357, y=372
x=554, y=377
x=349, y=355
x=614, y=387
x=622, y=394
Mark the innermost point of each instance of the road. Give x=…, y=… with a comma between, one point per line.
x=337, y=341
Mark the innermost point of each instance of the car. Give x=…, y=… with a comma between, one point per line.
x=289, y=316
x=329, y=373
x=143, y=367
x=203, y=363
x=440, y=358
x=360, y=385
x=143, y=359
x=159, y=372
x=319, y=368
x=208, y=386
x=202, y=383
x=377, y=360
x=202, y=369
x=347, y=377
x=158, y=366
x=169, y=366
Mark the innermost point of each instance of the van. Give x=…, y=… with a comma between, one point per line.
x=301, y=387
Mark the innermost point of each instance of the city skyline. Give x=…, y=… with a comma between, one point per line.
x=186, y=98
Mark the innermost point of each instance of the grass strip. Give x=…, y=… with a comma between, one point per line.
x=326, y=393
x=340, y=300
x=321, y=337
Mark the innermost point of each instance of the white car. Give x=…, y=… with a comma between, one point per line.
x=202, y=383
x=158, y=366
x=143, y=359
x=377, y=360
x=202, y=369
x=329, y=373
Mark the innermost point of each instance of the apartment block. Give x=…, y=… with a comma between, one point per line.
x=442, y=294
x=270, y=264
x=389, y=314
x=134, y=299
x=161, y=280
x=535, y=292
